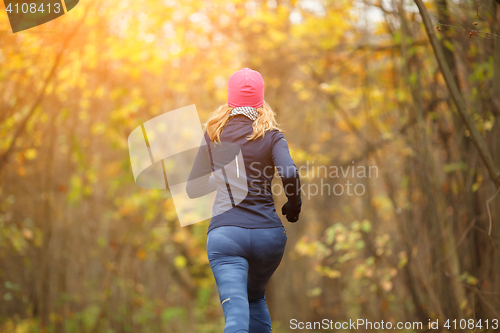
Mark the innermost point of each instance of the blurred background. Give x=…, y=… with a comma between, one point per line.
x=353, y=84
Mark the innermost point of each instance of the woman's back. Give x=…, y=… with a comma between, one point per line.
x=260, y=157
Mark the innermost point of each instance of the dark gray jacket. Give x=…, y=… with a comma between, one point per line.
x=241, y=172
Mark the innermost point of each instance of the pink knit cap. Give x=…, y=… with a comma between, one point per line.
x=245, y=88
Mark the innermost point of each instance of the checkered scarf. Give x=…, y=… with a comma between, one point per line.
x=248, y=111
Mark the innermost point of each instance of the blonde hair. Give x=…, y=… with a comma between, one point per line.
x=218, y=119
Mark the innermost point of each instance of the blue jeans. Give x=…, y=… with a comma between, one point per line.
x=242, y=262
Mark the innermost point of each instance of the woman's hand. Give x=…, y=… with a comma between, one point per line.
x=291, y=211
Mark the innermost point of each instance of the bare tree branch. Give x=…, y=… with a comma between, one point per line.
x=5, y=156
x=457, y=97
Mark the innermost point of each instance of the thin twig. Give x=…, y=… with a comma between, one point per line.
x=459, y=242
x=479, y=291
x=470, y=32
x=488, y=207
x=489, y=305
x=491, y=238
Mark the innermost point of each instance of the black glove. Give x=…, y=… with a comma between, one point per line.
x=291, y=211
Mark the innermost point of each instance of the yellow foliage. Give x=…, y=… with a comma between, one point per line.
x=30, y=154
x=180, y=261
x=141, y=254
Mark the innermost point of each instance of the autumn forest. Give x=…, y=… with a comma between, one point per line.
x=401, y=97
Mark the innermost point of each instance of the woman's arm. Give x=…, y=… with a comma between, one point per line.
x=289, y=176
